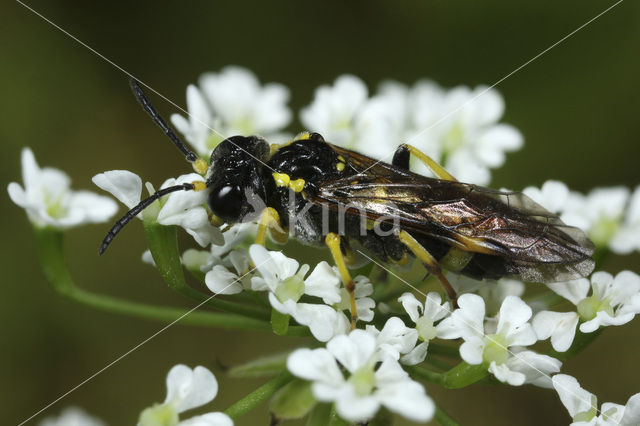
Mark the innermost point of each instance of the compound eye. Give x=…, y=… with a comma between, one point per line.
x=226, y=202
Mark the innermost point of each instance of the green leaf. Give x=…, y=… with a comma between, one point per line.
x=279, y=322
x=269, y=365
x=460, y=376
x=319, y=415
x=463, y=375
x=293, y=401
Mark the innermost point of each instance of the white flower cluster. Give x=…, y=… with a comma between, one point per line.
x=583, y=405
x=353, y=373
x=458, y=127
x=613, y=301
x=49, y=200
x=72, y=416
x=609, y=216
x=186, y=389
x=229, y=103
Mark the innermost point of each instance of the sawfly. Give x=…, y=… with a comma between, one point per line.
x=463, y=228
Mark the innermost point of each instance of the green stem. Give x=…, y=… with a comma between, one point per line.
x=437, y=363
x=460, y=376
x=444, y=350
x=163, y=243
x=258, y=396
x=49, y=243
x=444, y=418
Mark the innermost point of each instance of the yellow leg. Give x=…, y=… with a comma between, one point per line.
x=429, y=261
x=333, y=242
x=270, y=220
x=436, y=168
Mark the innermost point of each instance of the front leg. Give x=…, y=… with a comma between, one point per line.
x=269, y=219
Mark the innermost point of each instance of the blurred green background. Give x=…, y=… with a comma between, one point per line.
x=577, y=106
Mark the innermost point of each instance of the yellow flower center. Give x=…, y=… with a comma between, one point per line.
x=159, y=415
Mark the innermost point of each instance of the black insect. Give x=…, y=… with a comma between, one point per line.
x=322, y=194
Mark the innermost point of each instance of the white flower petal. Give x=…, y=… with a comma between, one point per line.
x=631, y=414
x=322, y=320
x=416, y=355
x=503, y=373
x=513, y=313
x=574, y=291
x=408, y=399
x=122, y=184
x=96, y=208
x=323, y=282
x=209, y=419
x=411, y=305
x=466, y=321
x=356, y=408
x=395, y=338
x=552, y=195
x=536, y=368
x=573, y=397
x=353, y=350
x=495, y=141
x=317, y=365
x=17, y=194
x=560, y=326
x=471, y=350
x=72, y=416
x=220, y=281
x=188, y=388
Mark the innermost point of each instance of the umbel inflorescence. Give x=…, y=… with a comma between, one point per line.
x=408, y=333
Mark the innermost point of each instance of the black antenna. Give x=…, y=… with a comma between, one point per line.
x=146, y=104
x=137, y=209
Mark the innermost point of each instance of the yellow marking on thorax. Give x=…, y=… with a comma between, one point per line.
x=340, y=166
x=303, y=136
x=299, y=137
x=283, y=180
